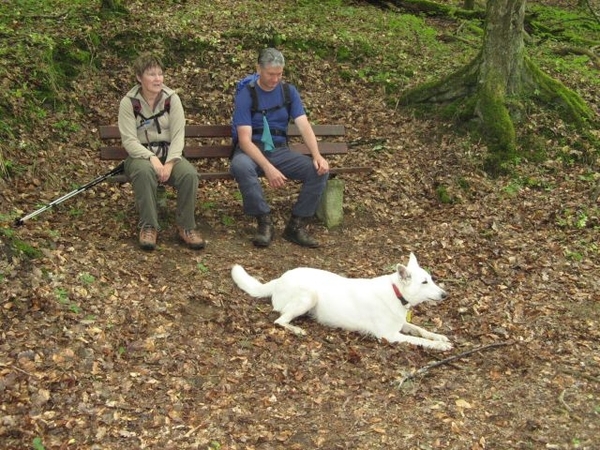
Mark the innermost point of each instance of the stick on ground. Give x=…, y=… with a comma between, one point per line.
x=441, y=362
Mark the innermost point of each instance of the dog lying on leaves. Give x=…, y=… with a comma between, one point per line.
x=375, y=306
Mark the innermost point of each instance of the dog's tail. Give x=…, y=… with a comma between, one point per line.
x=249, y=284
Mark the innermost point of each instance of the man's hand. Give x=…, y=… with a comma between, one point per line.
x=321, y=165
x=275, y=177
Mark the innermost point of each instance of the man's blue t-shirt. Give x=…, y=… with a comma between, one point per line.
x=278, y=118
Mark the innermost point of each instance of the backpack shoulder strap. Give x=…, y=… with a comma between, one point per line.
x=287, y=98
x=137, y=111
x=137, y=106
x=252, y=88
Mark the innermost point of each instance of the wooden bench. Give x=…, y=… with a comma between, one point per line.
x=213, y=142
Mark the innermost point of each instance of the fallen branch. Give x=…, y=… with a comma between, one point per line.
x=592, y=10
x=57, y=16
x=595, y=192
x=434, y=364
x=561, y=398
x=580, y=51
x=193, y=430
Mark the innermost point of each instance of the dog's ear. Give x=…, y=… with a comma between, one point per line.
x=412, y=260
x=403, y=272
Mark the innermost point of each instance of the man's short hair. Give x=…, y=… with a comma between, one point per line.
x=146, y=61
x=270, y=57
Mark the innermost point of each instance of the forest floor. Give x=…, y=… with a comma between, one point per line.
x=104, y=346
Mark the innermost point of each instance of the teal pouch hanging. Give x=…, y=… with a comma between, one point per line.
x=266, y=137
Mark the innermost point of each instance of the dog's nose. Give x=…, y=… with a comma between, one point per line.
x=444, y=295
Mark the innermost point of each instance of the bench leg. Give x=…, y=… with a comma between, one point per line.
x=331, y=207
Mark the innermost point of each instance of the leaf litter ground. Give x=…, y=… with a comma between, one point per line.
x=106, y=347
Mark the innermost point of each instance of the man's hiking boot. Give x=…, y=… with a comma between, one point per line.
x=264, y=231
x=191, y=238
x=148, y=236
x=295, y=231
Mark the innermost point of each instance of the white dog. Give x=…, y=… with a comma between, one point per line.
x=376, y=306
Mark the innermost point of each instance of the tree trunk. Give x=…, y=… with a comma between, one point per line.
x=503, y=48
x=492, y=87
x=500, y=74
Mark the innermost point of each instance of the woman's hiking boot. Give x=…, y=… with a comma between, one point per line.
x=191, y=238
x=295, y=231
x=148, y=236
x=264, y=231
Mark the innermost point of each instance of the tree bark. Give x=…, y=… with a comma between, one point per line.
x=493, y=87
x=503, y=47
x=500, y=75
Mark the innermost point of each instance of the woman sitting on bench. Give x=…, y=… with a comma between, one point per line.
x=152, y=127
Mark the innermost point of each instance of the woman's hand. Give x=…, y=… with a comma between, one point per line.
x=160, y=169
x=166, y=173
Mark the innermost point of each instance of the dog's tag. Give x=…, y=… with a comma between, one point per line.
x=409, y=316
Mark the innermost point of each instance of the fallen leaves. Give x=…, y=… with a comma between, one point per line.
x=161, y=351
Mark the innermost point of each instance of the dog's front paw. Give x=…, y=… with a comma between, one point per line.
x=294, y=329
x=440, y=337
x=298, y=331
x=442, y=346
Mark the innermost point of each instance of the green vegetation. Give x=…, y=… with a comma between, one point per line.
x=62, y=296
x=86, y=278
x=88, y=37
x=101, y=333
x=16, y=245
x=574, y=26
x=51, y=46
x=202, y=267
x=38, y=444
x=443, y=194
x=227, y=220
x=391, y=59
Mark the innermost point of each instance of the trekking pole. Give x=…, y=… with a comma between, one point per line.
x=117, y=170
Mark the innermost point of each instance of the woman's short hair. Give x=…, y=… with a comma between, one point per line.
x=270, y=57
x=146, y=61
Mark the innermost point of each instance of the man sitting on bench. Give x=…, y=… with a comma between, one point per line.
x=261, y=115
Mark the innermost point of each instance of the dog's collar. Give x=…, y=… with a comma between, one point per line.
x=400, y=296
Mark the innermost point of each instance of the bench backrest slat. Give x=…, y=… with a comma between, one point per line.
x=192, y=150
x=108, y=132
x=224, y=151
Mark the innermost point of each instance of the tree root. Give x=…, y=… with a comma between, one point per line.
x=496, y=107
